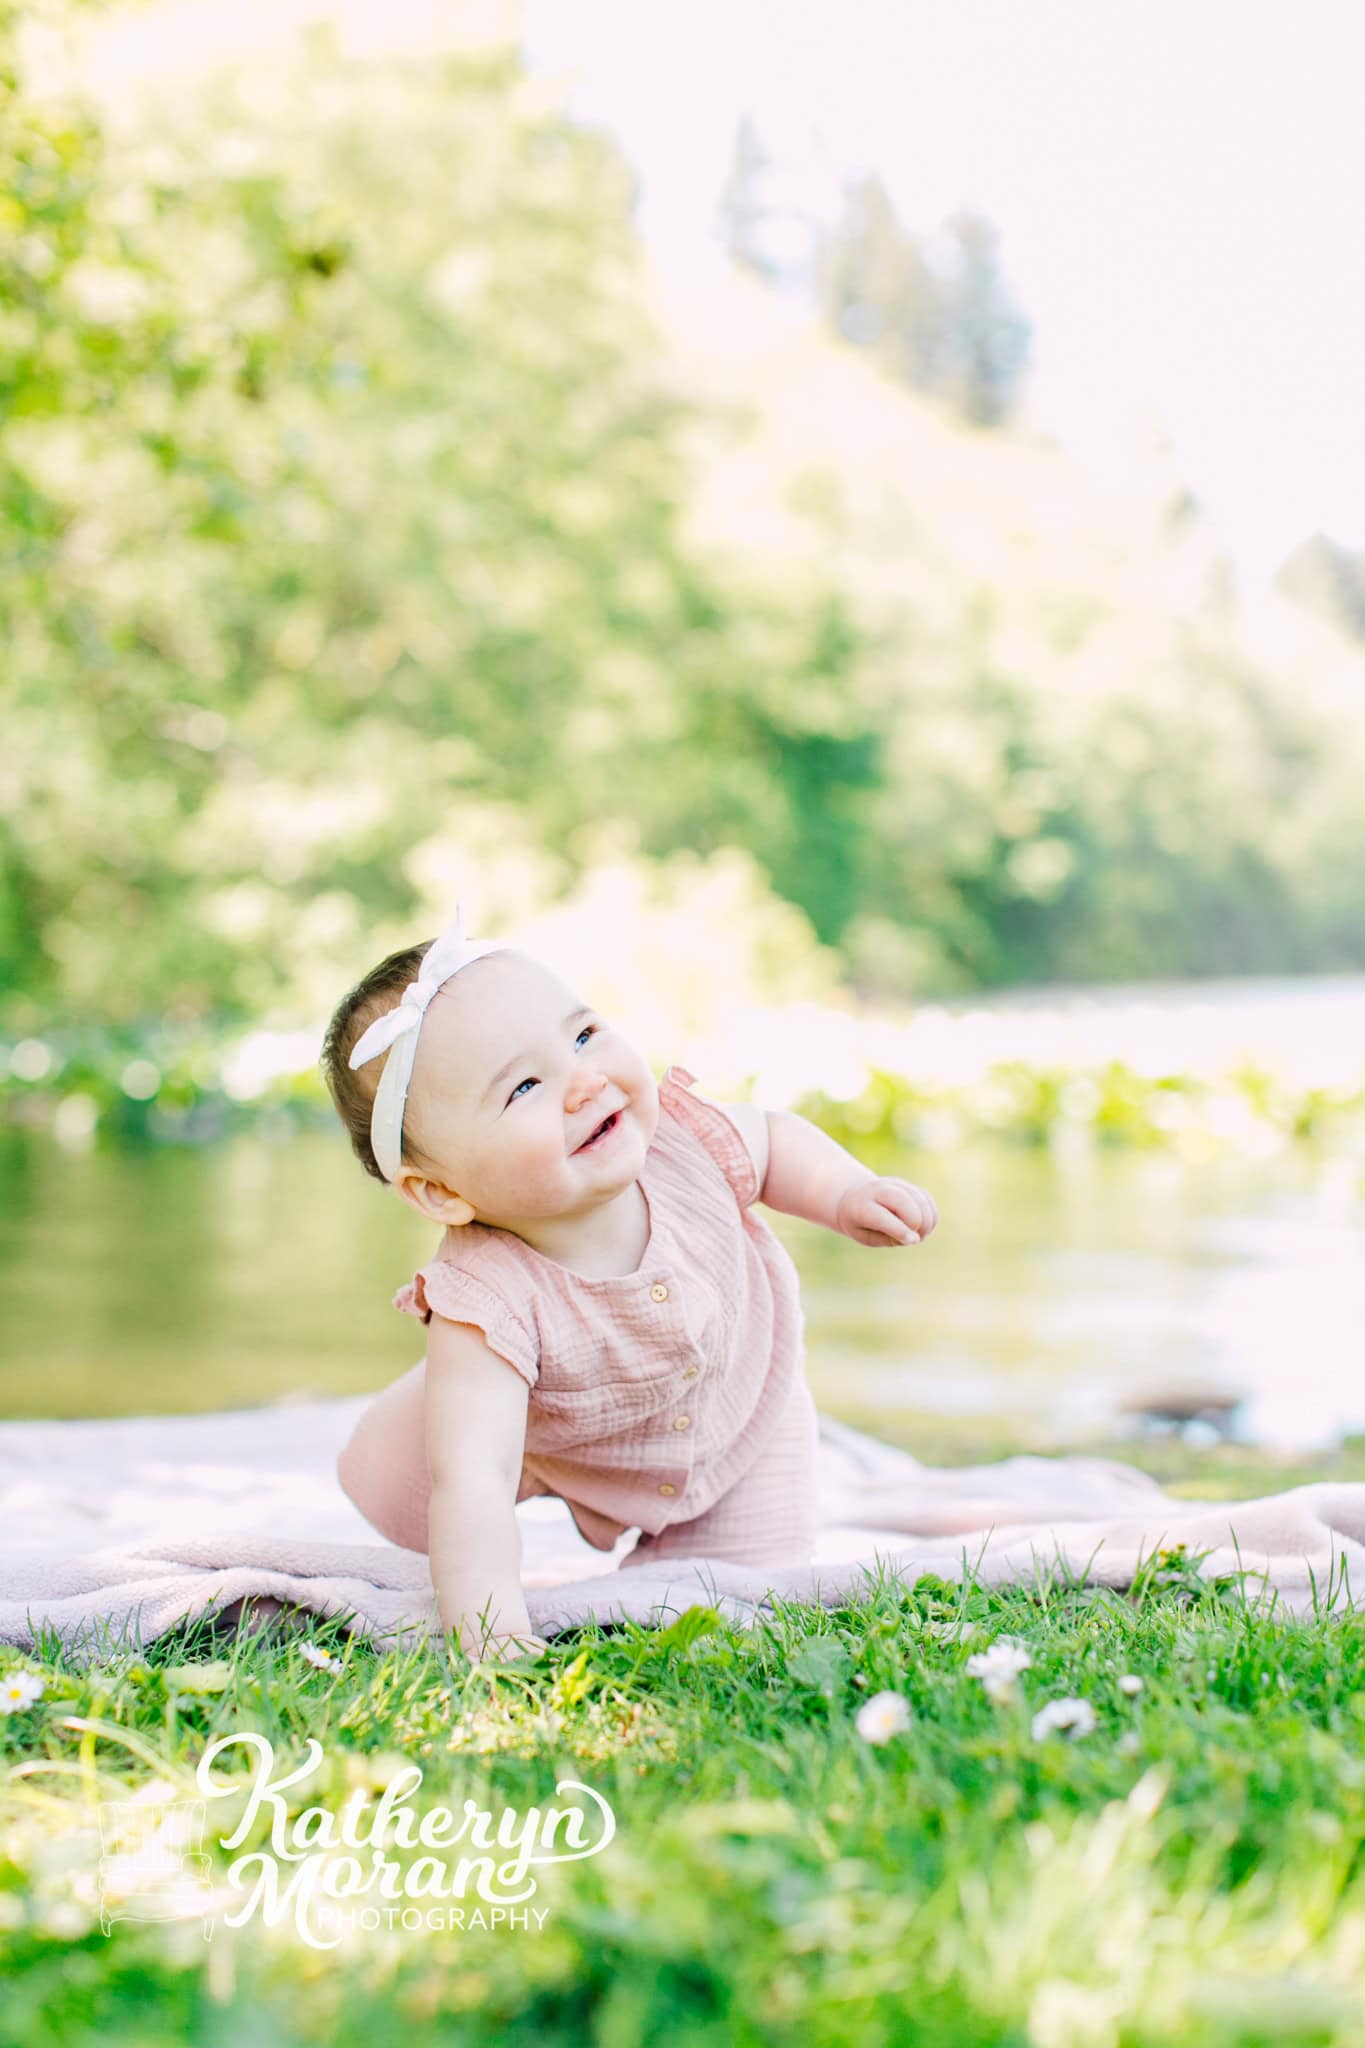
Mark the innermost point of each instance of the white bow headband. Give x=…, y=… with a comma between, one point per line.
x=401, y=1028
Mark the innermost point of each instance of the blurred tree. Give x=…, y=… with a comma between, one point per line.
x=877, y=288
x=342, y=489
x=745, y=202
x=1036, y=838
x=1327, y=579
x=942, y=322
x=983, y=338
x=346, y=495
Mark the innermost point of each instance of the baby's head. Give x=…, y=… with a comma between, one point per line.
x=513, y=1072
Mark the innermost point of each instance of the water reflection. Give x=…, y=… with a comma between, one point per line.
x=180, y=1279
x=1055, y=1290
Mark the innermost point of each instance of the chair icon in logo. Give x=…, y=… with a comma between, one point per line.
x=153, y=1866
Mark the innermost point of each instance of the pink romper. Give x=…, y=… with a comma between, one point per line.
x=672, y=1400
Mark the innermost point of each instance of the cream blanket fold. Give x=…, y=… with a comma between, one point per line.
x=115, y=1532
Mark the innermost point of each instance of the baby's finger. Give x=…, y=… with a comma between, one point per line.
x=904, y=1230
x=907, y=1203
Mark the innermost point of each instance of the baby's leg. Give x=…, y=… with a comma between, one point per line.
x=769, y=1517
x=383, y=1466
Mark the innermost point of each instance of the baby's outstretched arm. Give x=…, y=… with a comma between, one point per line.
x=810, y=1175
x=476, y=1431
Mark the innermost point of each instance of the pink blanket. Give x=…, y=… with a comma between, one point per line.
x=118, y=1531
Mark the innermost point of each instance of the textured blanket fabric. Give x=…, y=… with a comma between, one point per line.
x=115, y=1532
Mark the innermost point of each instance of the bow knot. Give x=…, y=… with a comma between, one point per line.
x=442, y=959
x=444, y=956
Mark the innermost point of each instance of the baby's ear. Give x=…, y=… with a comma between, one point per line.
x=432, y=1198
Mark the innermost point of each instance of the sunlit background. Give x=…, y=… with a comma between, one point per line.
x=848, y=541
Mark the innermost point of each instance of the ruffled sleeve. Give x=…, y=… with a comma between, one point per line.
x=717, y=1131
x=443, y=1289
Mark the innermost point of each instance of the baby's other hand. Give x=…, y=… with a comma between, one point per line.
x=885, y=1212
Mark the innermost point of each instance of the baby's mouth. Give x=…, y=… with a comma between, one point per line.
x=607, y=1125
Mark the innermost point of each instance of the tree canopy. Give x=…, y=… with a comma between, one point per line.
x=347, y=482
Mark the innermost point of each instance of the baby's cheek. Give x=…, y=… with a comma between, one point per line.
x=541, y=1173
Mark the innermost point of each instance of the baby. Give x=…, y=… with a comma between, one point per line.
x=607, y=1319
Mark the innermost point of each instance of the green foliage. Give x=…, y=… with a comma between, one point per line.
x=347, y=504
x=344, y=493
x=1191, y=821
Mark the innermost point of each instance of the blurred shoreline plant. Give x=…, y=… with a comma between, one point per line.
x=172, y=1083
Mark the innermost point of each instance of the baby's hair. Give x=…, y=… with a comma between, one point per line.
x=352, y=1089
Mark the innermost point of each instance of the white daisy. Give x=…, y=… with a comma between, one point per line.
x=884, y=1715
x=20, y=1689
x=999, y=1666
x=951, y=1631
x=323, y=1659
x=1131, y=1684
x=1065, y=1717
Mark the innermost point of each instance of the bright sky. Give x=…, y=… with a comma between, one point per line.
x=1177, y=183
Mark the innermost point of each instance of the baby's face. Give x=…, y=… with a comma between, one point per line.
x=513, y=1073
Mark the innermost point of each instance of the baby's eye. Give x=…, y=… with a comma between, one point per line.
x=586, y=1032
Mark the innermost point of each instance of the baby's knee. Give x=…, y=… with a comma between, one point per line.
x=394, y=1505
x=353, y=1473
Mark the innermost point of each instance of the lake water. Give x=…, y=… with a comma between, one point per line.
x=182, y=1279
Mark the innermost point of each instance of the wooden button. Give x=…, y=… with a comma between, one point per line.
x=689, y=1372
x=682, y=1422
x=668, y=1487
x=658, y=1291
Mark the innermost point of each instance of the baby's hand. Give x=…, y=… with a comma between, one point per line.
x=886, y=1212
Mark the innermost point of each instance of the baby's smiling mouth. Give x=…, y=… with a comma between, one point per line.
x=608, y=1123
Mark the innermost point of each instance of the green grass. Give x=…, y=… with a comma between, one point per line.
x=1190, y=1871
